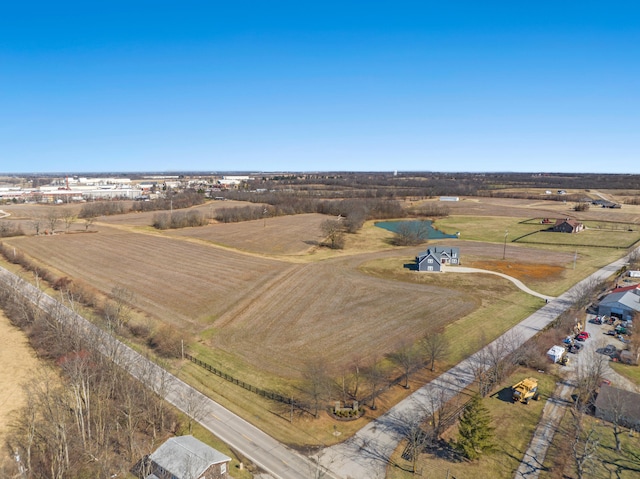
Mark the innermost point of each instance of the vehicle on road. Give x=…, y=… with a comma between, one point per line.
x=583, y=336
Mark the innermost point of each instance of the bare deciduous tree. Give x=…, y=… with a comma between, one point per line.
x=36, y=224
x=117, y=310
x=584, y=443
x=407, y=358
x=194, y=406
x=376, y=376
x=52, y=220
x=88, y=221
x=68, y=217
x=334, y=232
x=436, y=348
x=316, y=382
x=583, y=293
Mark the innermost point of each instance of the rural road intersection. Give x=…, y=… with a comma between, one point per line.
x=365, y=455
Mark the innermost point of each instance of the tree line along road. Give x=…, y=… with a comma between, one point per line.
x=270, y=455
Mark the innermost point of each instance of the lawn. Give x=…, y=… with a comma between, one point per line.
x=514, y=426
x=589, y=237
x=559, y=463
x=630, y=372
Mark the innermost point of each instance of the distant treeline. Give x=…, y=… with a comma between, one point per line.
x=106, y=208
x=354, y=211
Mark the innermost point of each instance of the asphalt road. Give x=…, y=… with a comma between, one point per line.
x=261, y=449
x=367, y=453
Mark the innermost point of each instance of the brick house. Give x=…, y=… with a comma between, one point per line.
x=568, y=226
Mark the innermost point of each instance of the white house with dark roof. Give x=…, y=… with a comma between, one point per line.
x=436, y=257
x=185, y=457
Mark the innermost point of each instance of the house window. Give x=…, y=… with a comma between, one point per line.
x=454, y=254
x=429, y=268
x=223, y=468
x=430, y=260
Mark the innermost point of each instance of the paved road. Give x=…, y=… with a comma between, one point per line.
x=264, y=451
x=367, y=453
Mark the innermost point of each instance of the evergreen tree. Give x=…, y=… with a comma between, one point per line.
x=475, y=433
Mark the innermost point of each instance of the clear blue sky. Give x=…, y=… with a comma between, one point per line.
x=304, y=86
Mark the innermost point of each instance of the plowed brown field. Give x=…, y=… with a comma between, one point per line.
x=273, y=313
x=332, y=310
x=280, y=235
x=176, y=281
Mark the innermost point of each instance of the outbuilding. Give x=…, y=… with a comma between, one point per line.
x=623, y=303
x=555, y=353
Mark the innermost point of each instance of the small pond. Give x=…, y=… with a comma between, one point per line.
x=415, y=225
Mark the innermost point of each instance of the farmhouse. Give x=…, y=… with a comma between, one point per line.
x=568, y=226
x=622, y=303
x=185, y=457
x=434, y=258
x=618, y=405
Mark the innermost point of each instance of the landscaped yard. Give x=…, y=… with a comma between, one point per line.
x=514, y=426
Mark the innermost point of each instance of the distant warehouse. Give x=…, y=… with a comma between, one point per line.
x=449, y=198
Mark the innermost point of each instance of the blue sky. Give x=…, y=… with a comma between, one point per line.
x=158, y=85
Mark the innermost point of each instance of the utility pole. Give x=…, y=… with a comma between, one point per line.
x=504, y=251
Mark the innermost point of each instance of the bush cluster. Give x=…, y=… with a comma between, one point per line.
x=8, y=229
x=180, y=219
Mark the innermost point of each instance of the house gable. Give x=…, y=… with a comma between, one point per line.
x=435, y=257
x=568, y=226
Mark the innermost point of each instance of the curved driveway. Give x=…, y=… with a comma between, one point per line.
x=367, y=453
x=517, y=282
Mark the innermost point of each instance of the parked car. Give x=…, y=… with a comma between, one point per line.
x=582, y=336
x=609, y=349
x=597, y=320
x=575, y=348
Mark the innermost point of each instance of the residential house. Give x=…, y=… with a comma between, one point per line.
x=618, y=405
x=568, y=225
x=185, y=457
x=622, y=303
x=436, y=257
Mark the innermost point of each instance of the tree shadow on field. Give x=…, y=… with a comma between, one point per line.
x=311, y=242
x=411, y=266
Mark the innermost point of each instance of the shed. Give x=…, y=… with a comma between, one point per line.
x=556, y=353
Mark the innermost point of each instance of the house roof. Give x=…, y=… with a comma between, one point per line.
x=625, y=403
x=570, y=222
x=626, y=288
x=186, y=456
x=628, y=299
x=438, y=252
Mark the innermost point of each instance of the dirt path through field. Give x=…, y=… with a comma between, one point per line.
x=18, y=363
